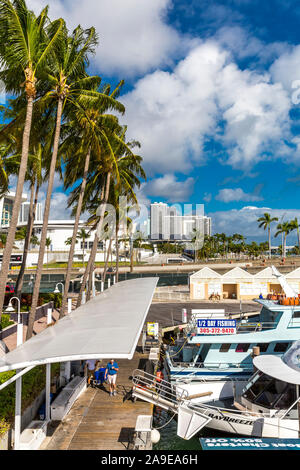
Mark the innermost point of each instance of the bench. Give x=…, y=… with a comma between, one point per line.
x=64, y=401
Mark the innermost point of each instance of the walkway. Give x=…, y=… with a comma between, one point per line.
x=97, y=421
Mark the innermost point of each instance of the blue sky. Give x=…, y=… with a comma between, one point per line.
x=212, y=95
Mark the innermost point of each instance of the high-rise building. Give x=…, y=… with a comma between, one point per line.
x=24, y=212
x=158, y=212
x=166, y=223
x=6, y=208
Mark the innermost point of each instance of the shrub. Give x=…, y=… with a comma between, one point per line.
x=32, y=384
x=5, y=321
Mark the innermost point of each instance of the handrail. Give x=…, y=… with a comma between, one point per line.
x=166, y=390
x=289, y=409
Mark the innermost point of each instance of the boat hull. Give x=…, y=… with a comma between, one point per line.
x=242, y=424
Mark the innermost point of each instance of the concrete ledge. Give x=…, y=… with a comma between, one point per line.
x=64, y=401
x=33, y=436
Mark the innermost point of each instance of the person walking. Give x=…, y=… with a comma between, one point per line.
x=111, y=375
x=89, y=369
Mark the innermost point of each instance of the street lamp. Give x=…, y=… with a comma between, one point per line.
x=11, y=309
x=57, y=291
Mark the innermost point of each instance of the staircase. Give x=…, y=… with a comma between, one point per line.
x=174, y=399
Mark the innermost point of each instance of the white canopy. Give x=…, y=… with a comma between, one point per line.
x=108, y=326
x=275, y=367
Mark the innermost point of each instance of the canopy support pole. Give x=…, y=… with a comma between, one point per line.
x=48, y=378
x=18, y=402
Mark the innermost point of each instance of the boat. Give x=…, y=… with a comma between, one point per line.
x=268, y=406
x=221, y=360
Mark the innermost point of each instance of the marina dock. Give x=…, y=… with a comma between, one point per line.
x=98, y=421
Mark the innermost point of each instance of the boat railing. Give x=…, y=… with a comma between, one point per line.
x=212, y=365
x=285, y=412
x=157, y=387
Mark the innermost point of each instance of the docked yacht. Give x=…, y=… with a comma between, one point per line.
x=199, y=362
x=268, y=404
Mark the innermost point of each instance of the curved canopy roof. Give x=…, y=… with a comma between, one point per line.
x=284, y=368
x=108, y=326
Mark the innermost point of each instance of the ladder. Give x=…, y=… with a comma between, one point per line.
x=174, y=399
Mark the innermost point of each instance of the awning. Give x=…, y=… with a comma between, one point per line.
x=275, y=367
x=108, y=326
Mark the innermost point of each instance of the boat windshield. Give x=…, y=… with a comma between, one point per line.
x=269, y=392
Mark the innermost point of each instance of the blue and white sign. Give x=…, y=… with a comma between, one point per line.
x=249, y=444
x=216, y=326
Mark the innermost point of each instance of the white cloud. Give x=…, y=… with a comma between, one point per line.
x=133, y=34
x=172, y=114
x=238, y=194
x=169, y=188
x=286, y=68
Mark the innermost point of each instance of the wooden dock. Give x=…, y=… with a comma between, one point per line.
x=100, y=422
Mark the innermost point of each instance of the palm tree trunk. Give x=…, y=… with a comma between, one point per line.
x=117, y=253
x=95, y=243
x=269, y=230
x=17, y=204
x=30, y=223
x=107, y=259
x=75, y=230
x=35, y=296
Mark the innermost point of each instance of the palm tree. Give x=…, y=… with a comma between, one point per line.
x=71, y=86
x=48, y=244
x=295, y=226
x=83, y=235
x=83, y=141
x=283, y=228
x=24, y=49
x=265, y=222
x=121, y=167
x=34, y=176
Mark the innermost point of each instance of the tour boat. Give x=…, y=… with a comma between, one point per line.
x=268, y=404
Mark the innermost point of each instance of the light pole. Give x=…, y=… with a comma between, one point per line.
x=11, y=309
x=57, y=291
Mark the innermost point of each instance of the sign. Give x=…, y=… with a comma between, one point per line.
x=152, y=329
x=216, y=326
x=249, y=444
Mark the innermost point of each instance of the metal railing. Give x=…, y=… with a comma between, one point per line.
x=145, y=383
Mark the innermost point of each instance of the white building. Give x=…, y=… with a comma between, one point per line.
x=166, y=223
x=238, y=283
x=6, y=208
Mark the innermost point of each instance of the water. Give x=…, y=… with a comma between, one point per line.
x=168, y=435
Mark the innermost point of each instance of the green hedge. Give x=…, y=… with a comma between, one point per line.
x=5, y=321
x=32, y=384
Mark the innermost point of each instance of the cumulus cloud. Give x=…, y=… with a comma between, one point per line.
x=169, y=188
x=133, y=34
x=244, y=221
x=207, y=96
x=238, y=194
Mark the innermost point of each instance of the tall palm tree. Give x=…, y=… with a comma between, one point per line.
x=294, y=224
x=283, y=228
x=122, y=167
x=88, y=130
x=34, y=176
x=265, y=222
x=83, y=235
x=71, y=87
x=24, y=49
x=48, y=244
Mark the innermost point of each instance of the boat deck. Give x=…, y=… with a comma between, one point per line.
x=97, y=421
